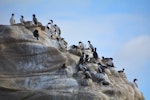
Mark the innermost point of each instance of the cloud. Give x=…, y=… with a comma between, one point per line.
x=108, y=32
x=135, y=54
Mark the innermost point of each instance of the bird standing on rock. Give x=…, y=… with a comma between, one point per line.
x=135, y=82
x=121, y=71
x=81, y=45
x=12, y=20
x=22, y=20
x=91, y=46
x=95, y=55
x=81, y=60
x=36, y=34
x=35, y=21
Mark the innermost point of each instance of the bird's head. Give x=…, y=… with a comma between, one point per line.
x=134, y=80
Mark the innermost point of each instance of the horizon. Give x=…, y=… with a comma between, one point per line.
x=117, y=29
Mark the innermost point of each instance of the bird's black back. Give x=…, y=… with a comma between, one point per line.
x=36, y=34
x=95, y=55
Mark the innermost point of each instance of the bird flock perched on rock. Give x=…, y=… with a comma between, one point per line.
x=87, y=55
x=52, y=30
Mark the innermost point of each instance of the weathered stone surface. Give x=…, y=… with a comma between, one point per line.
x=30, y=70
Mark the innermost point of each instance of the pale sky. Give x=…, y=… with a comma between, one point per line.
x=118, y=28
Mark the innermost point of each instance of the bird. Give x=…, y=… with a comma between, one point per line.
x=63, y=70
x=75, y=47
x=95, y=55
x=63, y=66
x=81, y=60
x=82, y=67
x=12, y=20
x=121, y=71
x=81, y=45
x=47, y=26
x=99, y=67
x=99, y=70
x=134, y=81
x=36, y=34
x=35, y=19
x=22, y=20
x=57, y=30
x=87, y=59
x=51, y=21
x=91, y=46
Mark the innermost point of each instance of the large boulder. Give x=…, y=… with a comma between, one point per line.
x=31, y=69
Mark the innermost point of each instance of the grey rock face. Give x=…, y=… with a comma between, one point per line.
x=30, y=69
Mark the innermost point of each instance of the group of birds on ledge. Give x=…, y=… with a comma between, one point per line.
x=87, y=55
x=52, y=30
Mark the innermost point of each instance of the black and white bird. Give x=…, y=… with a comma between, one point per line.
x=99, y=67
x=95, y=55
x=91, y=46
x=35, y=21
x=62, y=69
x=57, y=30
x=36, y=34
x=51, y=21
x=22, y=20
x=134, y=81
x=87, y=59
x=81, y=60
x=81, y=45
x=75, y=47
x=47, y=26
x=82, y=67
x=121, y=71
x=12, y=20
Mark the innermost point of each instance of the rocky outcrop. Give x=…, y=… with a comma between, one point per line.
x=30, y=69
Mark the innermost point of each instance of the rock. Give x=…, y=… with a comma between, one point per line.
x=86, y=82
x=29, y=71
x=75, y=51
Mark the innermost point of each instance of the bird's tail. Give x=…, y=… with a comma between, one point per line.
x=37, y=38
